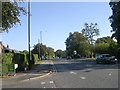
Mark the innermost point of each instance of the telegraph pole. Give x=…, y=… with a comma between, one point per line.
x=29, y=34
x=41, y=36
x=39, y=48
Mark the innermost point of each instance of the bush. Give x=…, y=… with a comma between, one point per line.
x=7, y=60
x=21, y=60
x=35, y=57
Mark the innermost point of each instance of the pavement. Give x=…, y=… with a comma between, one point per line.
x=42, y=70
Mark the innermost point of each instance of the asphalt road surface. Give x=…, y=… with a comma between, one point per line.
x=75, y=74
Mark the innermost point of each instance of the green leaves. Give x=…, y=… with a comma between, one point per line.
x=115, y=20
x=59, y=53
x=10, y=15
x=77, y=42
x=42, y=50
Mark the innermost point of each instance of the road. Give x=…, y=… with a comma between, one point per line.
x=75, y=74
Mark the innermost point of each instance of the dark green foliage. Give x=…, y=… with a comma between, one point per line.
x=7, y=60
x=20, y=59
x=104, y=40
x=42, y=50
x=115, y=19
x=101, y=48
x=77, y=42
x=64, y=54
x=113, y=48
x=59, y=53
x=11, y=12
x=106, y=45
x=50, y=53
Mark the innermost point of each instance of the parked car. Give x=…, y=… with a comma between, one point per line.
x=106, y=58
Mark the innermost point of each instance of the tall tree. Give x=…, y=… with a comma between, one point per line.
x=115, y=19
x=77, y=42
x=11, y=12
x=90, y=31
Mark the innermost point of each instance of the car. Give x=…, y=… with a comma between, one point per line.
x=106, y=58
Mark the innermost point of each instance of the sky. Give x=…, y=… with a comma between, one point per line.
x=56, y=21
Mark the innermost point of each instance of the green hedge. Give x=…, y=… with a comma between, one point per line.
x=7, y=60
x=21, y=60
x=35, y=57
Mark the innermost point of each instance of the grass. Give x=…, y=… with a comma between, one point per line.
x=90, y=58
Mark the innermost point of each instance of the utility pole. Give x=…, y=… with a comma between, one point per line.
x=29, y=34
x=39, y=48
x=40, y=42
x=41, y=36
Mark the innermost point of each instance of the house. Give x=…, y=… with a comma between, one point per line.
x=4, y=49
x=1, y=47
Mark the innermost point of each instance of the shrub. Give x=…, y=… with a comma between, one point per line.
x=7, y=60
x=35, y=57
x=21, y=60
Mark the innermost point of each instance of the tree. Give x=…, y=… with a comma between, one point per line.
x=76, y=42
x=42, y=49
x=90, y=31
x=115, y=20
x=50, y=52
x=101, y=48
x=11, y=12
x=58, y=53
x=64, y=54
x=105, y=45
x=104, y=40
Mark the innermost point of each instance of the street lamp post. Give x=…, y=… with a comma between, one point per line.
x=40, y=42
x=29, y=34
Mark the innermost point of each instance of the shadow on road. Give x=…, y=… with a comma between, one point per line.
x=82, y=65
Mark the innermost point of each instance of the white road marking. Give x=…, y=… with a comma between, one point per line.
x=88, y=65
x=83, y=77
x=44, y=87
x=89, y=69
x=71, y=72
x=51, y=82
x=42, y=83
x=110, y=74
